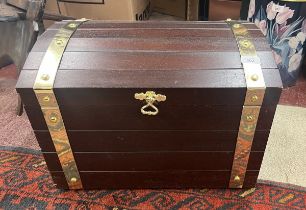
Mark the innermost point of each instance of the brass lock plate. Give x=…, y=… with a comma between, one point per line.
x=151, y=98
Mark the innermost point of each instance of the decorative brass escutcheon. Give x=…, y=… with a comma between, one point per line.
x=150, y=97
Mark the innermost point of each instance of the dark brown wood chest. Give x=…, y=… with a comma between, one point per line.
x=151, y=104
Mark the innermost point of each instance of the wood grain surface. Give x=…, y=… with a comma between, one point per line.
x=152, y=24
x=168, y=179
x=153, y=161
x=148, y=140
x=118, y=117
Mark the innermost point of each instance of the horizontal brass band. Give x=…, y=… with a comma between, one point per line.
x=43, y=88
x=253, y=100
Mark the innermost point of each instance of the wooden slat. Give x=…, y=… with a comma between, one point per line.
x=148, y=61
x=159, y=32
x=119, y=96
x=140, y=79
x=154, y=33
x=150, y=79
x=215, y=87
x=170, y=118
x=191, y=96
x=137, y=141
x=152, y=24
x=134, y=180
x=146, y=161
x=153, y=161
x=130, y=118
x=164, y=24
x=174, y=180
x=141, y=141
x=145, y=79
x=214, y=44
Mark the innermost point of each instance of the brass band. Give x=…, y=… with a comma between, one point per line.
x=43, y=88
x=253, y=100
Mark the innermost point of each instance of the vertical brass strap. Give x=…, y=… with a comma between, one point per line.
x=43, y=88
x=253, y=100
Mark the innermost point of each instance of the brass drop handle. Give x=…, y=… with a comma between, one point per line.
x=150, y=97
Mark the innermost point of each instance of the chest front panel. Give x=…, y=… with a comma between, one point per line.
x=186, y=139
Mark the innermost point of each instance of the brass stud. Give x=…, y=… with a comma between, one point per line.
x=254, y=98
x=53, y=119
x=46, y=98
x=59, y=42
x=72, y=25
x=246, y=43
x=236, y=25
x=237, y=179
x=73, y=179
x=45, y=77
x=254, y=77
x=250, y=118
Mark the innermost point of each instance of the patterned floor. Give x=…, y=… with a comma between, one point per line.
x=26, y=184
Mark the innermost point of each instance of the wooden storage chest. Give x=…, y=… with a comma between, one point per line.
x=207, y=104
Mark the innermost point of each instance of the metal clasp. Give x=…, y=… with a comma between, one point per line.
x=150, y=97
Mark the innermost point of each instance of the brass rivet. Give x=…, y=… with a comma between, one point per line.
x=53, y=119
x=59, y=42
x=46, y=98
x=245, y=43
x=73, y=179
x=254, y=77
x=250, y=118
x=45, y=77
x=72, y=25
x=228, y=19
x=254, y=98
x=236, y=25
x=237, y=179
